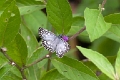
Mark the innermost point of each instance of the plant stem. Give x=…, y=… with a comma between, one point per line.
x=75, y=35
x=48, y=65
x=35, y=62
x=103, y=3
x=3, y=50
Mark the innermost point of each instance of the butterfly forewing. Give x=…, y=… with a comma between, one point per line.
x=47, y=39
x=46, y=35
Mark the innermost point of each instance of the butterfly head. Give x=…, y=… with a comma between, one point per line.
x=65, y=38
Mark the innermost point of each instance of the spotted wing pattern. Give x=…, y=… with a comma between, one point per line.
x=47, y=39
x=53, y=43
x=62, y=48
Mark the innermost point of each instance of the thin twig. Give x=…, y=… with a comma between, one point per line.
x=35, y=62
x=103, y=3
x=75, y=35
x=48, y=65
x=3, y=50
x=49, y=62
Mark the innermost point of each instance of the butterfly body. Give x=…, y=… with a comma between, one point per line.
x=53, y=43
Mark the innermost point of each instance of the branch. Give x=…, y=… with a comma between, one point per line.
x=75, y=35
x=35, y=62
x=4, y=50
x=103, y=4
x=48, y=65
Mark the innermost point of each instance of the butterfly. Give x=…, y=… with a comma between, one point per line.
x=54, y=43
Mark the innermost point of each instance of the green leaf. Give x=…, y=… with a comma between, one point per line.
x=33, y=73
x=11, y=76
x=60, y=15
x=39, y=53
x=30, y=39
x=77, y=24
x=17, y=50
x=117, y=64
x=115, y=29
x=114, y=32
x=113, y=18
x=9, y=24
x=29, y=2
x=99, y=60
x=105, y=46
x=4, y=69
x=53, y=75
x=95, y=24
x=29, y=9
x=4, y=4
x=3, y=60
x=25, y=7
x=78, y=21
x=6, y=74
x=34, y=20
x=73, y=69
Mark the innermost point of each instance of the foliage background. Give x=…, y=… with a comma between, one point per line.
x=20, y=20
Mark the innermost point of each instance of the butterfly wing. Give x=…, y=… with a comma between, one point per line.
x=47, y=39
x=62, y=48
x=53, y=43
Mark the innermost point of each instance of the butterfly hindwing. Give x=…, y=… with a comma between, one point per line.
x=62, y=48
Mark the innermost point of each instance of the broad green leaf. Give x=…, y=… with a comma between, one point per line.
x=17, y=50
x=4, y=70
x=99, y=60
x=29, y=2
x=15, y=71
x=33, y=73
x=113, y=18
x=117, y=64
x=3, y=60
x=105, y=46
x=112, y=36
x=9, y=24
x=4, y=4
x=6, y=74
x=25, y=6
x=60, y=15
x=39, y=53
x=73, y=69
x=100, y=75
x=95, y=24
x=114, y=32
x=78, y=21
x=75, y=29
x=11, y=76
x=115, y=29
x=53, y=75
x=35, y=20
x=29, y=9
x=77, y=24
x=31, y=41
